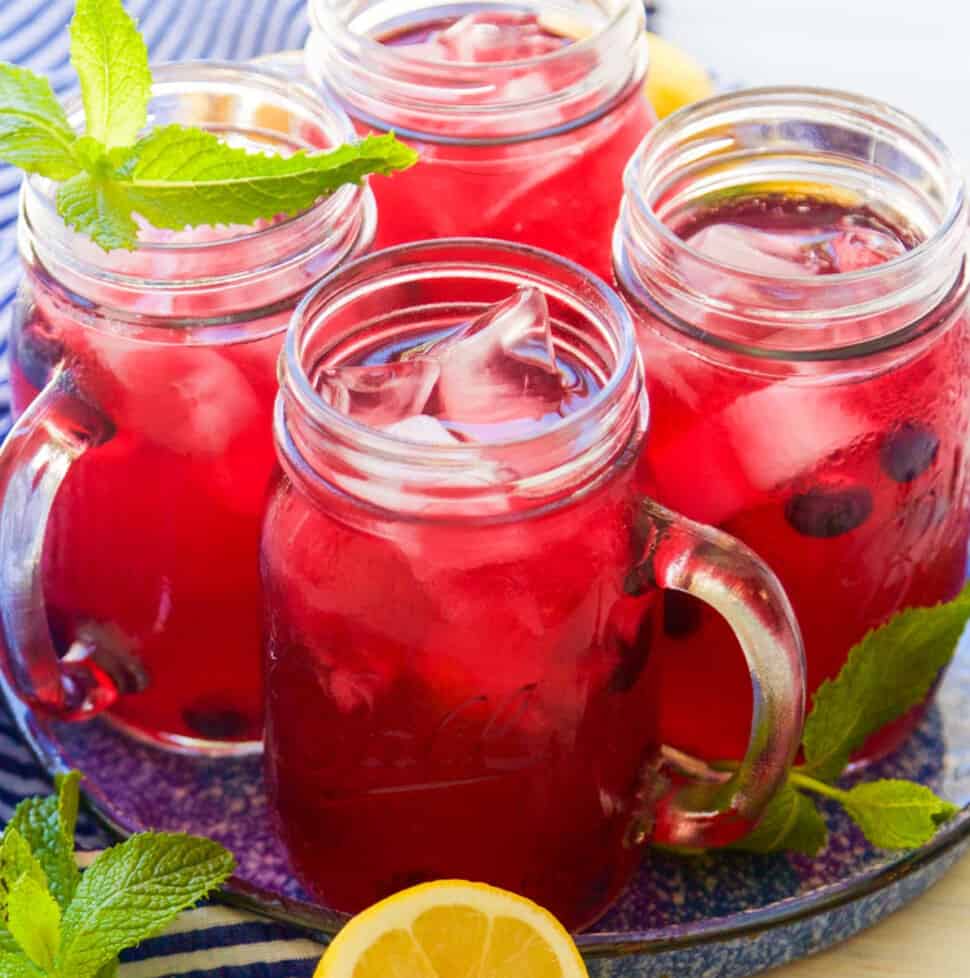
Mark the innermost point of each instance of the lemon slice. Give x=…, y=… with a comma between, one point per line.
x=674, y=78
x=453, y=929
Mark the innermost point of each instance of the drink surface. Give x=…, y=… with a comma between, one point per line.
x=481, y=38
x=850, y=483
x=489, y=379
x=775, y=234
x=558, y=189
x=458, y=693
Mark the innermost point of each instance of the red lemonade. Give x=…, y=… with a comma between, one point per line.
x=807, y=355
x=427, y=673
x=160, y=363
x=521, y=139
x=457, y=634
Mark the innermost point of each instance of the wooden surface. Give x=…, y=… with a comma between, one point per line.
x=916, y=55
x=928, y=939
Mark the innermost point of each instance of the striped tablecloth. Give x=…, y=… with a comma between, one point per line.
x=213, y=941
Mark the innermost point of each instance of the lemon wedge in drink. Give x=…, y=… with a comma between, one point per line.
x=674, y=78
x=453, y=929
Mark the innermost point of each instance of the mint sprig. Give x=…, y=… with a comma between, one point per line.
x=888, y=673
x=174, y=176
x=55, y=923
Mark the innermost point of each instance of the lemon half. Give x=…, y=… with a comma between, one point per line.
x=674, y=78
x=453, y=929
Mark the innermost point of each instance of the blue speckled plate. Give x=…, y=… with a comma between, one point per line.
x=727, y=915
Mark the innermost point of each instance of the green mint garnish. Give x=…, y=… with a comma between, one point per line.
x=173, y=177
x=888, y=673
x=791, y=823
x=132, y=892
x=34, y=131
x=47, y=827
x=56, y=923
x=111, y=61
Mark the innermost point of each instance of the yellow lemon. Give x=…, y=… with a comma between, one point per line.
x=453, y=929
x=674, y=78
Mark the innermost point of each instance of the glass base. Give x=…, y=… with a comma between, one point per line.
x=188, y=746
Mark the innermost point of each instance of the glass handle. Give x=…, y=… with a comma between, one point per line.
x=54, y=432
x=695, y=810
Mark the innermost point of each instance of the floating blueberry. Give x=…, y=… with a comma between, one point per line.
x=682, y=614
x=213, y=722
x=827, y=513
x=35, y=354
x=908, y=451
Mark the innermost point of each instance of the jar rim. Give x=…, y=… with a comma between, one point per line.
x=390, y=87
x=170, y=77
x=295, y=378
x=402, y=55
x=707, y=111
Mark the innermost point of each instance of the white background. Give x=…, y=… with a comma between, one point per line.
x=913, y=53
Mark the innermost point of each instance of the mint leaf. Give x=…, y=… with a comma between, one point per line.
x=111, y=61
x=17, y=965
x=177, y=177
x=133, y=891
x=97, y=208
x=16, y=862
x=68, y=801
x=51, y=840
x=34, y=920
x=34, y=132
x=890, y=671
x=897, y=814
x=791, y=822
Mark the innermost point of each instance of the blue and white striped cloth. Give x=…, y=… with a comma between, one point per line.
x=212, y=941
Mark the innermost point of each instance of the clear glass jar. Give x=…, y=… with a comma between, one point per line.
x=144, y=381
x=529, y=150
x=455, y=631
x=808, y=362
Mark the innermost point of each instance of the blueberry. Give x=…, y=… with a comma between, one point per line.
x=214, y=722
x=908, y=451
x=827, y=513
x=35, y=354
x=682, y=614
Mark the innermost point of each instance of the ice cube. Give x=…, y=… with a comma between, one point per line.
x=488, y=37
x=424, y=429
x=798, y=254
x=854, y=249
x=380, y=395
x=753, y=250
x=499, y=368
x=782, y=431
x=187, y=398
